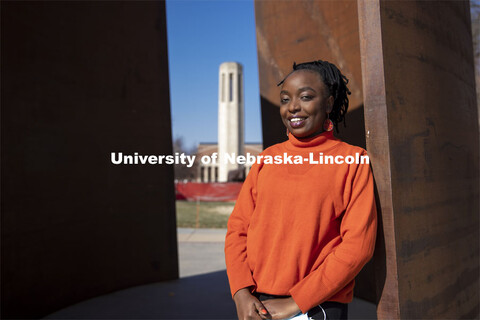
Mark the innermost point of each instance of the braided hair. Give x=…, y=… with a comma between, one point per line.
x=335, y=82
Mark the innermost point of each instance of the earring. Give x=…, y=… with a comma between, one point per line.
x=328, y=124
x=287, y=131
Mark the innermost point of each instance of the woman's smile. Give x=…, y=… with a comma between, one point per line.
x=297, y=122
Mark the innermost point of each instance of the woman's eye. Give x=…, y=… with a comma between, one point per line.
x=283, y=100
x=306, y=98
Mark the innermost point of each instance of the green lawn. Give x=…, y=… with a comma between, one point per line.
x=210, y=214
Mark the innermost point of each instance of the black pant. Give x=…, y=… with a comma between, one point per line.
x=329, y=310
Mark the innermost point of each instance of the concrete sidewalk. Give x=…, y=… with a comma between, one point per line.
x=201, y=235
x=200, y=251
x=202, y=292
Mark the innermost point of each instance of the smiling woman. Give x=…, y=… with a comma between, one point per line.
x=299, y=235
x=304, y=104
x=328, y=97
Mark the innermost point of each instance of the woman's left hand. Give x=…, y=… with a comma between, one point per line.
x=282, y=308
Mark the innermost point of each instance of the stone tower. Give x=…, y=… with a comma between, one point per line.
x=230, y=116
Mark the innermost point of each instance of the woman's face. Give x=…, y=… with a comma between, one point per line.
x=304, y=103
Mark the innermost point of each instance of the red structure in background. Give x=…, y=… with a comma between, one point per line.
x=215, y=191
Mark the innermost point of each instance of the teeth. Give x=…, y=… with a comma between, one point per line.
x=296, y=119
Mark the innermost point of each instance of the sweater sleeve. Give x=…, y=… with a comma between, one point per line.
x=358, y=233
x=238, y=270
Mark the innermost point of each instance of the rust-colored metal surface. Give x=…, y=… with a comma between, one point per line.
x=301, y=31
x=379, y=152
x=81, y=80
x=422, y=135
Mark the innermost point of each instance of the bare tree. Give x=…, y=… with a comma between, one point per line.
x=182, y=172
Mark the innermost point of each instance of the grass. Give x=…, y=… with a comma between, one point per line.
x=211, y=214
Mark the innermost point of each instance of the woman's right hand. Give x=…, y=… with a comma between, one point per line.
x=248, y=306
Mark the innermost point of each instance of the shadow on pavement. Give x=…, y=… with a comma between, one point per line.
x=205, y=296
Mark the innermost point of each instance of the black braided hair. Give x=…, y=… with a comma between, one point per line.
x=336, y=83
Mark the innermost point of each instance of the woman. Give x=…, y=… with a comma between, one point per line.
x=300, y=233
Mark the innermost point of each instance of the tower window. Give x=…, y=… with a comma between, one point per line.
x=223, y=87
x=230, y=86
x=239, y=86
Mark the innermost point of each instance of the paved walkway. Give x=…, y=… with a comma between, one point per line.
x=200, y=251
x=202, y=291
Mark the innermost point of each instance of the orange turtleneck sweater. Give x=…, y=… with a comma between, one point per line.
x=303, y=230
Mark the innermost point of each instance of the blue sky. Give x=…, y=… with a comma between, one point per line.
x=202, y=35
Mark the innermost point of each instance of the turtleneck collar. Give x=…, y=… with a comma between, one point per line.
x=324, y=140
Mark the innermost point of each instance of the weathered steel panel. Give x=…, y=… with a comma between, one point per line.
x=301, y=31
x=81, y=80
x=423, y=124
x=379, y=152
